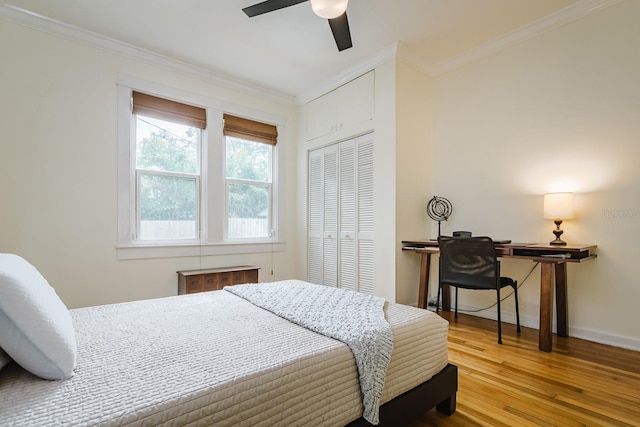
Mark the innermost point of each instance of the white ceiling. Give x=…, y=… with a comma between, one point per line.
x=291, y=51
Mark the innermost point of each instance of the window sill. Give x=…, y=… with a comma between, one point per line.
x=191, y=250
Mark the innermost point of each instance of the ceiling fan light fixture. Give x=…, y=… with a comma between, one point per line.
x=329, y=9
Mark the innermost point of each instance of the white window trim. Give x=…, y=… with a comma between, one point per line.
x=213, y=201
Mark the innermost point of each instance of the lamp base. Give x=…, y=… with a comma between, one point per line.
x=558, y=242
x=558, y=232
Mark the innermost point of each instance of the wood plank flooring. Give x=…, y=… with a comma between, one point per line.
x=580, y=383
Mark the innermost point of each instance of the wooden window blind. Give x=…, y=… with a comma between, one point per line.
x=249, y=129
x=165, y=109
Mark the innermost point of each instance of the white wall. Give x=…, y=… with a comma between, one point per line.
x=560, y=112
x=58, y=168
x=384, y=181
x=413, y=173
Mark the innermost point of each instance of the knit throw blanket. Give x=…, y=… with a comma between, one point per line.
x=351, y=317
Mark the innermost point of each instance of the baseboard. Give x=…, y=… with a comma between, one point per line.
x=577, y=332
x=605, y=338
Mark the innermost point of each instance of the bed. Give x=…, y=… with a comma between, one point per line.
x=215, y=358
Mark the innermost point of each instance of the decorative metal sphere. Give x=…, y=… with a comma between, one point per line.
x=439, y=208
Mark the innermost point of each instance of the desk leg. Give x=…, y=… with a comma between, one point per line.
x=561, y=299
x=423, y=289
x=546, y=306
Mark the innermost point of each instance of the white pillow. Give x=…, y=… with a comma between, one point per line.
x=35, y=326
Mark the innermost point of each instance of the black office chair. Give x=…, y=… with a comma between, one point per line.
x=472, y=263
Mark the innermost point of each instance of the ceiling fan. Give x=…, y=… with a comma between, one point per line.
x=335, y=11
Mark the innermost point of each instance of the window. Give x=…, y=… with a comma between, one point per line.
x=248, y=165
x=195, y=176
x=167, y=168
x=167, y=180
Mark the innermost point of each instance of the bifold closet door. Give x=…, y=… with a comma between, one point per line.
x=355, y=217
x=340, y=234
x=348, y=263
x=323, y=216
x=315, y=220
x=330, y=217
x=365, y=217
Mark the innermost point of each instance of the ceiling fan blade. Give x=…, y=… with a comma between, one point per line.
x=269, y=6
x=340, y=29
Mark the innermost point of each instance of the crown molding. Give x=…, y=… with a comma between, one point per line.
x=43, y=23
x=564, y=16
x=351, y=73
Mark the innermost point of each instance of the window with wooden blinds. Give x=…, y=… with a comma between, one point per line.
x=250, y=130
x=165, y=109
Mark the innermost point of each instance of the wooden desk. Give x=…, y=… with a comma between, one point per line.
x=553, y=269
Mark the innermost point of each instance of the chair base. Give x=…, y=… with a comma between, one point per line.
x=515, y=294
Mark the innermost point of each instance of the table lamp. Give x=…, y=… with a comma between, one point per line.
x=558, y=206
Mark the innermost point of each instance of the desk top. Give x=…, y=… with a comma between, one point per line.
x=532, y=251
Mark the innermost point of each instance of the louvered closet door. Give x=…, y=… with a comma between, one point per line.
x=348, y=260
x=330, y=216
x=316, y=222
x=365, y=223
x=340, y=231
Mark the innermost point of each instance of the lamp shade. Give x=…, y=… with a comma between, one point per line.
x=329, y=9
x=558, y=205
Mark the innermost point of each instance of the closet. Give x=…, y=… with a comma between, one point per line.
x=341, y=226
x=391, y=104
x=343, y=109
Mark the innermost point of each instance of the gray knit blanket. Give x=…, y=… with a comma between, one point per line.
x=351, y=317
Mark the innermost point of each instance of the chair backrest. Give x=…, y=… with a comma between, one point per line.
x=468, y=262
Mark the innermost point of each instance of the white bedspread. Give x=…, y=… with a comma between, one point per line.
x=354, y=318
x=214, y=359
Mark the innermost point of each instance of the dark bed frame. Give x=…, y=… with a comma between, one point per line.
x=439, y=391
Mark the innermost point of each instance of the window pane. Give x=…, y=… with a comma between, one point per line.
x=166, y=146
x=168, y=207
x=248, y=210
x=248, y=160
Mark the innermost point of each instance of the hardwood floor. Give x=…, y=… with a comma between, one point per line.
x=580, y=383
